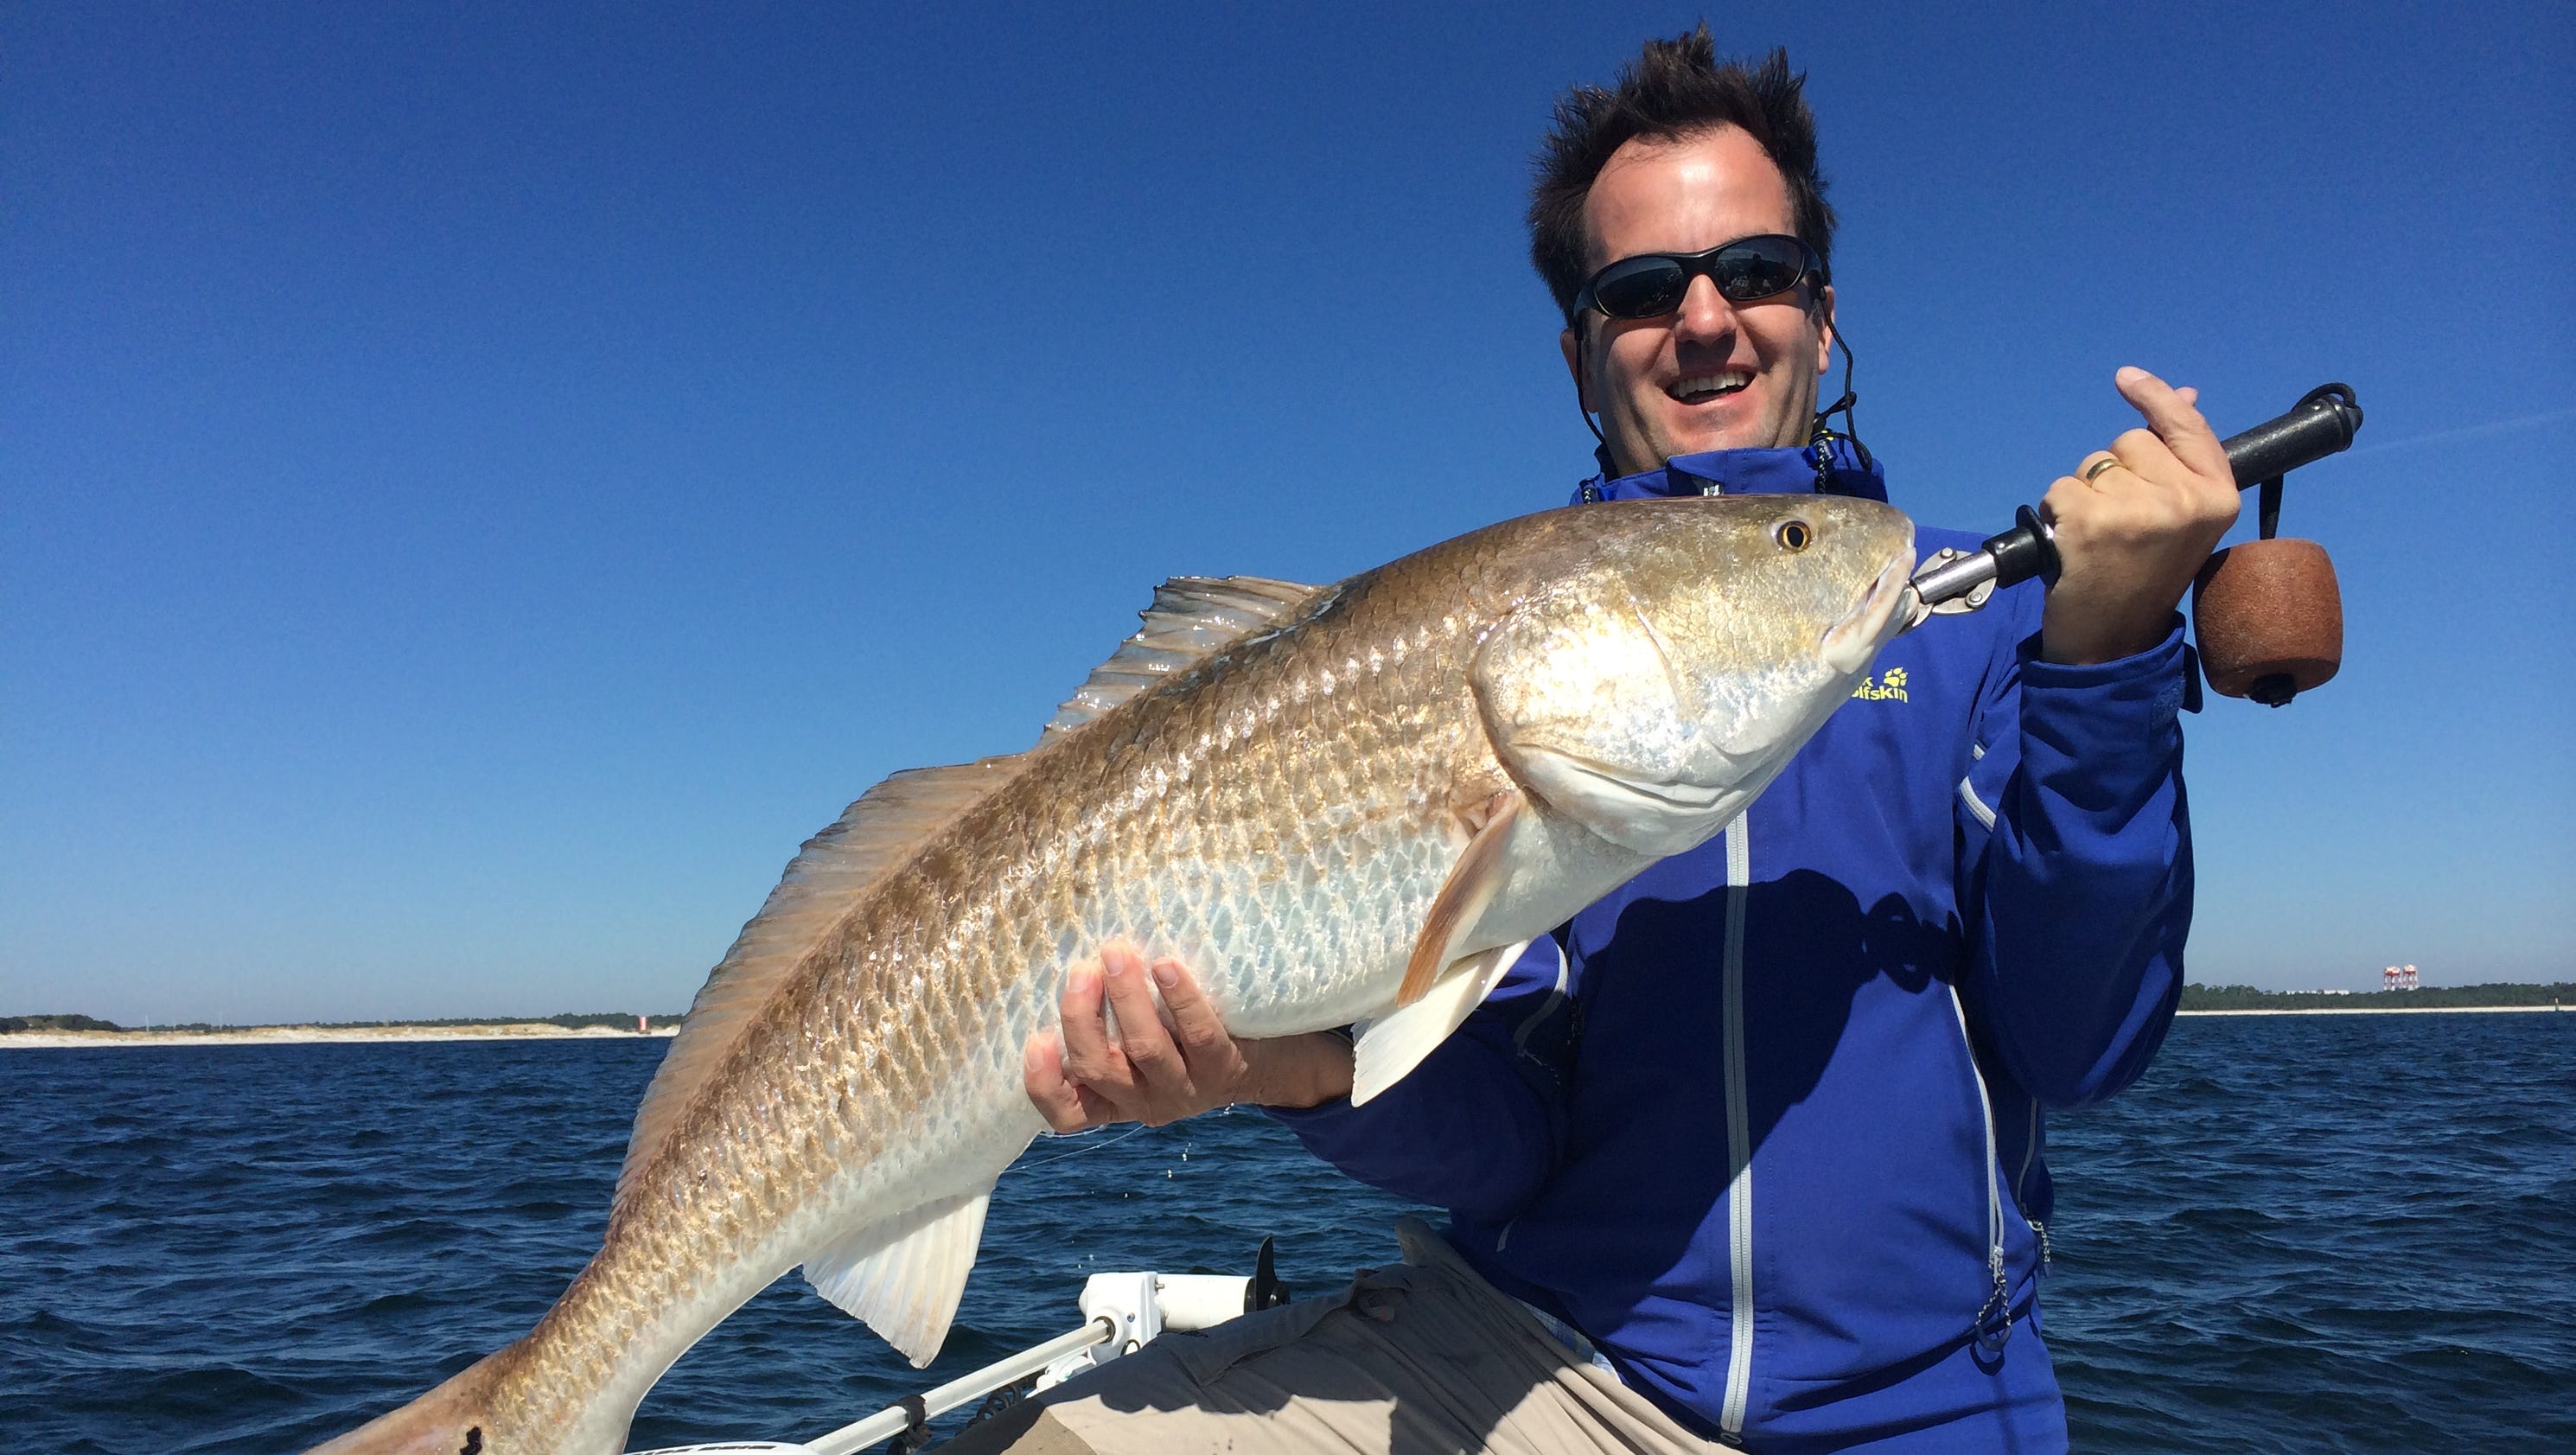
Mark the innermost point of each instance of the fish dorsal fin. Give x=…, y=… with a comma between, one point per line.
x=904, y=1281
x=825, y=879
x=1192, y=618
x=1384, y=1050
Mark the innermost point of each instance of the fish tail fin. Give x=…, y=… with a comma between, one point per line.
x=456, y=1418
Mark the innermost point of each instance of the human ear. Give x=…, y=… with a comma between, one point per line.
x=1825, y=330
x=1571, y=344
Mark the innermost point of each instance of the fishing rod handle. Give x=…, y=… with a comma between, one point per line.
x=2320, y=424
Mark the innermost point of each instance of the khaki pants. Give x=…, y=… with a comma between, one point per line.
x=1423, y=1358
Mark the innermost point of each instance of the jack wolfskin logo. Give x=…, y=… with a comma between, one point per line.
x=1882, y=687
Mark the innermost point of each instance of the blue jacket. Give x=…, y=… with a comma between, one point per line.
x=1764, y=1124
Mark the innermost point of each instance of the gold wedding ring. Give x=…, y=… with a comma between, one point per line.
x=2098, y=466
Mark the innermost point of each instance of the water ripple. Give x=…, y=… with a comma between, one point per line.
x=2332, y=1234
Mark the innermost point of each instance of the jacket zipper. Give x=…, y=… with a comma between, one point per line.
x=2021, y=1185
x=1994, y=1317
x=1739, y=1139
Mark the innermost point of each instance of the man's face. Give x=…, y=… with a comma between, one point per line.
x=1715, y=375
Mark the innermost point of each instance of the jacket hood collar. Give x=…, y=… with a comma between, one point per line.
x=1768, y=471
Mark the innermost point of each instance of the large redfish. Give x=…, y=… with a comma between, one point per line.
x=1346, y=804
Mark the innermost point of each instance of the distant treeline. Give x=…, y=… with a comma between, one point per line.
x=10, y=1023
x=622, y=1020
x=2246, y=997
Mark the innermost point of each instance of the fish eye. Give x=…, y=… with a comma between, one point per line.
x=1793, y=535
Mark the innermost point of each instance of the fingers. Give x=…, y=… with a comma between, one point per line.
x=2175, y=418
x=1195, y=1023
x=1124, y=1055
x=2177, y=451
x=2064, y=499
x=1141, y=1037
x=2144, y=454
x=2133, y=524
x=1088, y=1056
x=1060, y=1101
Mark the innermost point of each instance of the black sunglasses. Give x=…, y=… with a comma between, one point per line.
x=1746, y=270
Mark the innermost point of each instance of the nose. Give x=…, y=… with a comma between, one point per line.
x=1705, y=314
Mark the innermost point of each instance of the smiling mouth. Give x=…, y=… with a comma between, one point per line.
x=1701, y=388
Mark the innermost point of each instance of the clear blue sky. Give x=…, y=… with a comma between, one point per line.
x=478, y=485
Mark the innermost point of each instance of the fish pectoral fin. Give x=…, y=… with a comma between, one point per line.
x=905, y=1281
x=1385, y=1050
x=1472, y=883
x=1440, y=985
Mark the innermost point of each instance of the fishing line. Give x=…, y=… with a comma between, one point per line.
x=1087, y=1147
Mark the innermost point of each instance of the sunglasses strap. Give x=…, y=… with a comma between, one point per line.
x=1822, y=436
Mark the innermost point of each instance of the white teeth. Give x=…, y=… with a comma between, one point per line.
x=1701, y=386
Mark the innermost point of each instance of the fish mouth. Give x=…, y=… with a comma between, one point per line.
x=1850, y=643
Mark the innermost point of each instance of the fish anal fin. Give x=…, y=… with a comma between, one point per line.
x=1385, y=1050
x=1472, y=883
x=905, y=1281
x=829, y=875
x=1192, y=618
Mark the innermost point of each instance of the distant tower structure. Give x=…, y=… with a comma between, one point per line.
x=2389, y=978
x=642, y=1025
x=2410, y=982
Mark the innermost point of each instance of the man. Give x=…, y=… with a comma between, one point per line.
x=1751, y=1151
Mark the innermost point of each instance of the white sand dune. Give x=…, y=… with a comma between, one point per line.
x=302, y=1035
x=540, y=1031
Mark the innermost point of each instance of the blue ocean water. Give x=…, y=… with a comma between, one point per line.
x=2298, y=1233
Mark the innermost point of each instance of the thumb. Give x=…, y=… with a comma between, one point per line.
x=2170, y=412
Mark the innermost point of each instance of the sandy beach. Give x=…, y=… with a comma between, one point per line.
x=539, y=1031
x=312, y=1035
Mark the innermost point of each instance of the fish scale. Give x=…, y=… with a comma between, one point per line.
x=1286, y=812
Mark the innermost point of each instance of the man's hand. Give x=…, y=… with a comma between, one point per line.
x=1170, y=1061
x=2132, y=536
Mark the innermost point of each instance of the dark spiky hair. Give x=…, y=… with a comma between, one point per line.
x=1675, y=88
